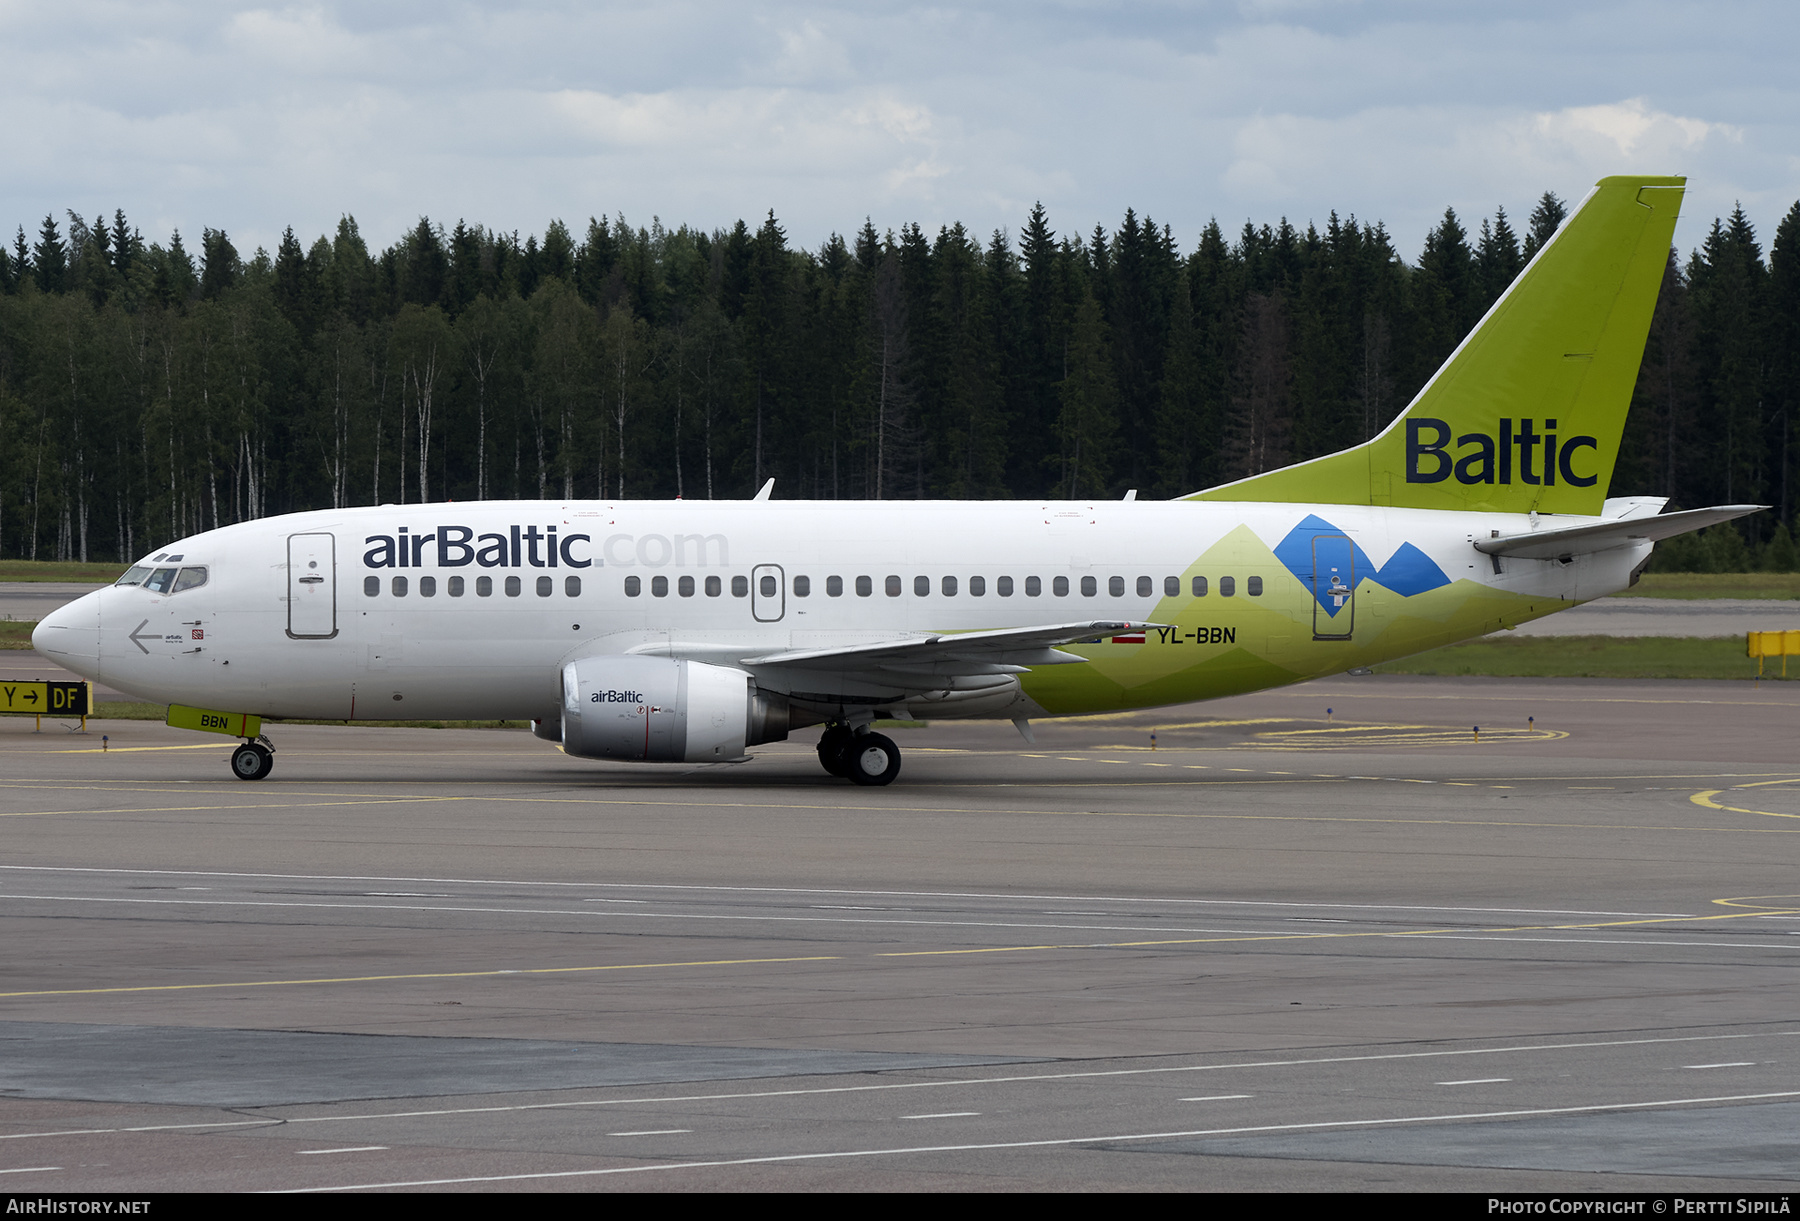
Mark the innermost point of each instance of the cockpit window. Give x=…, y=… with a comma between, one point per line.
x=160, y=581
x=135, y=576
x=190, y=578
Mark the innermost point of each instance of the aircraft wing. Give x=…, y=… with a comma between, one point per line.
x=1005, y=651
x=1582, y=540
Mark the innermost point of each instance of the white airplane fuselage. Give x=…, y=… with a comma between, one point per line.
x=470, y=611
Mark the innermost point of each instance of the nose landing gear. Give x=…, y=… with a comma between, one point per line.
x=253, y=760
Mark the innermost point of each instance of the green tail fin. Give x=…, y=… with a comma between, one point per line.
x=1557, y=357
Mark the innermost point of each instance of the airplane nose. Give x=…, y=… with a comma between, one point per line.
x=70, y=635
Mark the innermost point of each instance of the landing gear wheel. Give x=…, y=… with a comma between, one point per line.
x=872, y=759
x=252, y=761
x=832, y=745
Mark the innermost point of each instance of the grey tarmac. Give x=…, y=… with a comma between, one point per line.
x=1287, y=949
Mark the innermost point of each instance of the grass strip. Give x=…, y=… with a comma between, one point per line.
x=1695, y=586
x=1592, y=657
x=60, y=570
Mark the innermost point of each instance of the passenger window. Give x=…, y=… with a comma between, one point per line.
x=456, y=586
x=1227, y=586
x=1059, y=586
x=802, y=587
x=977, y=586
x=1171, y=587
x=545, y=586
x=1199, y=587
x=633, y=586
x=1146, y=587
x=767, y=583
x=160, y=580
x=1115, y=586
x=484, y=587
x=371, y=586
x=134, y=577
x=740, y=587
x=513, y=587
x=684, y=587
x=864, y=587
x=921, y=587
x=714, y=587
x=949, y=587
x=1003, y=586
x=428, y=587
x=834, y=587
x=571, y=586
x=1089, y=587
x=399, y=587
x=659, y=587
x=893, y=587
x=1253, y=587
x=1033, y=587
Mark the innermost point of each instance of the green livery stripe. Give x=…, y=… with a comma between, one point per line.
x=1217, y=646
x=236, y=724
x=1527, y=414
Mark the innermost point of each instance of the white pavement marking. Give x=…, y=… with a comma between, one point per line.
x=952, y=1082
x=790, y=890
x=1063, y=1142
x=655, y=1132
x=352, y=1149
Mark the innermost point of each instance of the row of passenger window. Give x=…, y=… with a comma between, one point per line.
x=769, y=587
x=484, y=587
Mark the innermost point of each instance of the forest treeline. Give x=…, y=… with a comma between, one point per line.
x=148, y=391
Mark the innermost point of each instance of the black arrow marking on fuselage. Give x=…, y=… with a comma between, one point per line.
x=148, y=635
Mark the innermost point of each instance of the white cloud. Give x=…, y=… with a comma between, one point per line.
x=1628, y=129
x=511, y=113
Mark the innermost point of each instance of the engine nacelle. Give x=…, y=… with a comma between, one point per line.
x=658, y=710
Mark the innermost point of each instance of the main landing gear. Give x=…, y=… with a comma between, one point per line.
x=863, y=757
x=253, y=760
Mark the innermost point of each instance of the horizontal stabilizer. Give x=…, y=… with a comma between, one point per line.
x=1554, y=544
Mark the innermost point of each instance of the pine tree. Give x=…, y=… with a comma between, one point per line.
x=21, y=259
x=1728, y=277
x=1497, y=261
x=1087, y=424
x=290, y=288
x=50, y=258
x=220, y=266
x=1260, y=425
x=1546, y=218
x=1782, y=343
x=557, y=256
x=424, y=267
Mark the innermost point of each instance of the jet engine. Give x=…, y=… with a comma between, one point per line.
x=659, y=710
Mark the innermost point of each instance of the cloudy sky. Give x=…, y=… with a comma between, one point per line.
x=507, y=114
